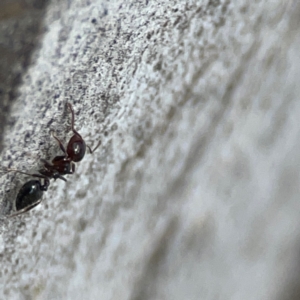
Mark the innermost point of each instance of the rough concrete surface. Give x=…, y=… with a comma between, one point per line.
x=194, y=192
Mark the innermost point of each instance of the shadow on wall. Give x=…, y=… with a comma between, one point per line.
x=290, y=289
x=20, y=26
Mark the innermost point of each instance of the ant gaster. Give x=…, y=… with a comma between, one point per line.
x=30, y=194
x=32, y=191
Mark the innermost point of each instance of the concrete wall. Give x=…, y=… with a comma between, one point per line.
x=194, y=192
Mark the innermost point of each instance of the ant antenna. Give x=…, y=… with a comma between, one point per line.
x=73, y=119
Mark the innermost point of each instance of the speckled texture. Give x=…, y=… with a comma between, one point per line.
x=194, y=193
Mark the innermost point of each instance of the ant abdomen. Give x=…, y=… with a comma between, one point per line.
x=29, y=194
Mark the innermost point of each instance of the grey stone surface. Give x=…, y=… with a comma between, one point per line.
x=194, y=193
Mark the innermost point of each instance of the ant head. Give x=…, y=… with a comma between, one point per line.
x=76, y=148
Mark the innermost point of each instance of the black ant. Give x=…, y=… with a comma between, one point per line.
x=32, y=191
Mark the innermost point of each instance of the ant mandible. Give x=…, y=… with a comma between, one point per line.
x=31, y=192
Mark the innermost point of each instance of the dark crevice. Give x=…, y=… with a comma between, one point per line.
x=20, y=27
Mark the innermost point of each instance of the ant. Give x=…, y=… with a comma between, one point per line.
x=64, y=164
x=32, y=191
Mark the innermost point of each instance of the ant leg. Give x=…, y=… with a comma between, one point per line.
x=91, y=151
x=49, y=174
x=46, y=184
x=21, y=211
x=5, y=170
x=73, y=119
x=25, y=173
x=62, y=178
x=61, y=146
x=46, y=163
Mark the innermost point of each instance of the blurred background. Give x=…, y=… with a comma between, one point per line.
x=19, y=32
